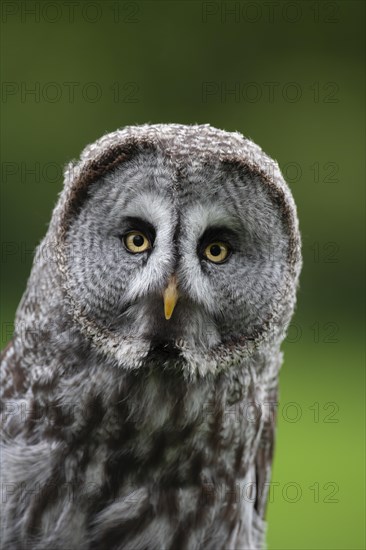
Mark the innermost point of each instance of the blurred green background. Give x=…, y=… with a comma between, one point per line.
x=289, y=75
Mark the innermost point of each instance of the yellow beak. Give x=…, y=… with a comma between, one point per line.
x=170, y=297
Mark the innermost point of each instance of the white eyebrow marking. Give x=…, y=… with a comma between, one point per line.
x=200, y=216
x=154, y=208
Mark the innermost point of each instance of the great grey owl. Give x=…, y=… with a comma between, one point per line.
x=140, y=385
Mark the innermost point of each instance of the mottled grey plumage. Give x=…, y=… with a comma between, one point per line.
x=125, y=430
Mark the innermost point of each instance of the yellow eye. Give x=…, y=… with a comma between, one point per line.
x=136, y=242
x=216, y=252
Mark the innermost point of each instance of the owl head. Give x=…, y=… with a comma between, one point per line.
x=179, y=243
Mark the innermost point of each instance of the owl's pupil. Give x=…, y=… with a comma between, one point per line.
x=138, y=240
x=215, y=250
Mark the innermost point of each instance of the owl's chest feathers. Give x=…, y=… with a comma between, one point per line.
x=155, y=428
x=151, y=443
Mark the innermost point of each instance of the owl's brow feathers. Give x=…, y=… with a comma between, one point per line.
x=99, y=167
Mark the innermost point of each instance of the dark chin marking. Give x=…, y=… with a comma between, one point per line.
x=164, y=351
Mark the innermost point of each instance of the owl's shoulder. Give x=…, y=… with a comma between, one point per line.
x=12, y=372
